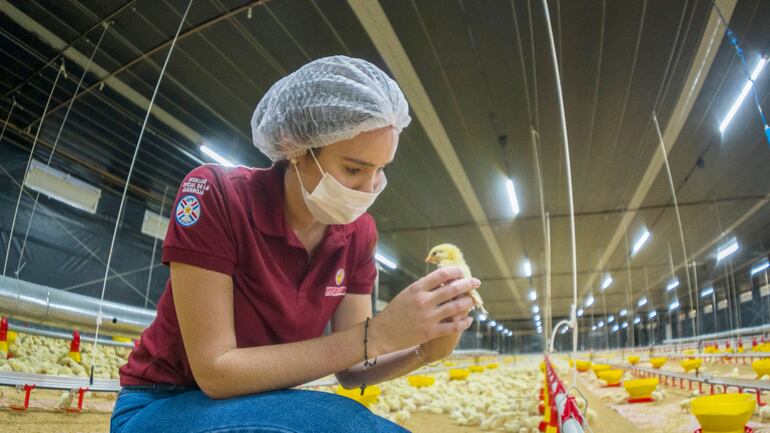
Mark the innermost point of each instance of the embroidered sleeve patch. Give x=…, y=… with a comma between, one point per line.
x=188, y=210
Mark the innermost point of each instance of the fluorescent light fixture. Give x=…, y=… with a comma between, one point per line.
x=580, y=312
x=759, y=267
x=537, y=317
x=215, y=156
x=672, y=285
x=652, y=314
x=62, y=187
x=512, y=197
x=385, y=261
x=741, y=96
x=593, y=328
x=642, y=301
x=615, y=328
x=640, y=242
x=624, y=325
x=527, y=268
x=535, y=309
x=532, y=295
x=673, y=305
x=706, y=292
x=492, y=323
x=154, y=225
x=610, y=318
x=482, y=317
x=589, y=300
x=727, y=249
x=539, y=330
x=607, y=282
x=538, y=323
x=600, y=324
x=623, y=312
x=499, y=327
x=637, y=320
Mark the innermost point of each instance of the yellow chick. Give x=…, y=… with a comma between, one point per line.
x=445, y=255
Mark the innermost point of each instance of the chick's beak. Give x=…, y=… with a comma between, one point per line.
x=429, y=259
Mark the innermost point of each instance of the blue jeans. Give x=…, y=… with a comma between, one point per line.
x=168, y=409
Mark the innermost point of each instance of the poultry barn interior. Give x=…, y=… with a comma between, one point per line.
x=602, y=167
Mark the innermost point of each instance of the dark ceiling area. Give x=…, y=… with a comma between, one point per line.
x=486, y=69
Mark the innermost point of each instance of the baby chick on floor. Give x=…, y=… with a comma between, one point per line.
x=446, y=255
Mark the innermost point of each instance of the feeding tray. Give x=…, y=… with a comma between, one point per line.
x=598, y=368
x=419, y=381
x=633, y=359
x=508, y=359
x=371, y=394
x=476, y=368
x=691, y=364
x=612, y=376
x=761, y=366
x=583, y=366
x=688, y=352
x=723, y=413
x=571, y=363
x=492, y=366
x=458, y=373
x=657, y=362
x=640, y=389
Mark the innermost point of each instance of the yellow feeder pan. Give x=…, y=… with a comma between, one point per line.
x=508, y=359
x=458, y=373
x=761, y=366
x=122, y=339
x=542, y=367
x=657, y=362
x=688, y=352
x=476, y=368
x=449, y=364
x=691, y=364
x=371, y=394
x=640, y=390
x=723, y=413
x=571, y=363
x=419, y=381
x=11, y=337
x=492, y=366
x=633, y=359
x=612, y=377
x=597, y=368
x=583, y=366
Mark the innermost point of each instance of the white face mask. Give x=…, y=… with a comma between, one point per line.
x=333, y=203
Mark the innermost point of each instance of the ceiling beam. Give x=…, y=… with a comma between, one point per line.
x=381, y=32
x=699, y=70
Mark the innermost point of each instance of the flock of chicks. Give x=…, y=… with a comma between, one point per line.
x=45, y=355
x=502, y=399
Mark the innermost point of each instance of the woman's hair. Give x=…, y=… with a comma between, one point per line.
x=326, y=101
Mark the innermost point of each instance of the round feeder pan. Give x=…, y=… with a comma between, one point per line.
x=761, y=366
x=657, y=362
x=583, y=366
x=419, y=381
x=633, y=359
x=640, y=390
x=723, y=413
x=612, y=377
x=691, y=364
x=371, y=394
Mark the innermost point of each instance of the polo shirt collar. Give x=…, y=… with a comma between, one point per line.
x=268, y=211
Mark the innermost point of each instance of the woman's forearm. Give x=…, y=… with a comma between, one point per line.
x=258, y=369
x=389, y=366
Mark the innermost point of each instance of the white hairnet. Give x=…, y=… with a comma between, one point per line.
x=326, y=101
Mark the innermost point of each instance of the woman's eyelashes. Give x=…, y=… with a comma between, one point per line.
x=352, y=171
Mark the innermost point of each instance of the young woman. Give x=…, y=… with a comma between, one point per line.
x=262, y=259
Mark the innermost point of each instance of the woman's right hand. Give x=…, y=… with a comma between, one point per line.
x=424, y=311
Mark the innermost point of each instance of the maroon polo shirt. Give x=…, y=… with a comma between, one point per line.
x=231, y=220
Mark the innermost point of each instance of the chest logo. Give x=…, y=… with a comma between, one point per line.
x=338, y=289
x=188, y=211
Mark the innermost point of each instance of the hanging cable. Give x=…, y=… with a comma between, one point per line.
x=155, y=246
x=565, y=141
x=662, y=147
x=125, y=188
x=56, y=142
x=734, y=41
x=29, y=162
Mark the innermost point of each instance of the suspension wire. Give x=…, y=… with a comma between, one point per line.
x=125, y=188
x=734, y=41
x=565, y=142
x=154, y=246
x=29, y=163
x=662, y=147
x=55, y=143
x=7, y=119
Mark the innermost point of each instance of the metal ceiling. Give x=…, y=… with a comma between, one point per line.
x=485, y=71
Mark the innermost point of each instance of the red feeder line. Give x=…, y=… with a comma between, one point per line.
x=27, y=391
